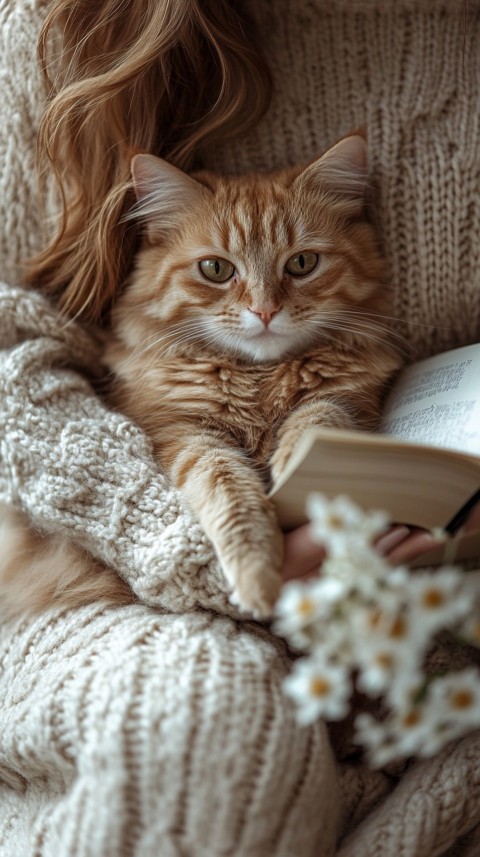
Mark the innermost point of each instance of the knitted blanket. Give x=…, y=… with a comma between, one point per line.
x=162, y=728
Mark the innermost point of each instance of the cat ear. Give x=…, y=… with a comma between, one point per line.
x=163, y=194
x=342, y=171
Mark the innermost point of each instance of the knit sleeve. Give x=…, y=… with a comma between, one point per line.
x=79, y=468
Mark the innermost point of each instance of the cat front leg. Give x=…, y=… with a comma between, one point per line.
x=228, y=496
x=324, y=412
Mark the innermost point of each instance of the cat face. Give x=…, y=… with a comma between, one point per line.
x=258, y=267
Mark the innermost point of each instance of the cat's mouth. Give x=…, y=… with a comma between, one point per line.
x=268, y=345
x=260, y=344
x=275, y=329
x=266, y=332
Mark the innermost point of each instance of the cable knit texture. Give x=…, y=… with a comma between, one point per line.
x=161, y=729
x=71, y=463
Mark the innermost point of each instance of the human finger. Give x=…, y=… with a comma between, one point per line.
x=303, y=555
x=418, y=542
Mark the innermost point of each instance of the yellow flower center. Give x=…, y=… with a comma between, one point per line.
x=433, y=598
x=398, y=628
x=411, y=719
x=335, y=522
x=462, y=699
x=374, y=618
x=385, y=660
x=305, y=606
x=319, y=686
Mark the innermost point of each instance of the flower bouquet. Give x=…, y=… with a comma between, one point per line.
x=363, y=625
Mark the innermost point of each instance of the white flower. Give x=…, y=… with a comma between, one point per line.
x=370, y=734
x=376, y=668
x=361, y=569
x=301, y=604
x=411, y=726
x=384, y=648
x=400, y=735
x=333, y=640
x=450, y=709
x=458, y=695
x=340, y=524
x=377, y=739
x=407, y=686
x=437, y=600
x=319, y=688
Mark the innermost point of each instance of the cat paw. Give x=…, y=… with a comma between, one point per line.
x=258, y=593
x=235, y=600
x=278, y=463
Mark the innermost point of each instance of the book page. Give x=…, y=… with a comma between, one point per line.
x=437, y=402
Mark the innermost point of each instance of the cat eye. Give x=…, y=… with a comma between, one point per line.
x=301, y=264
x=217, y=270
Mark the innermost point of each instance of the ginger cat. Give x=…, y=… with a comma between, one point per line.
x=256, y=309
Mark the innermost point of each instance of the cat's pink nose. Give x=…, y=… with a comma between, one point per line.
x=264, y=314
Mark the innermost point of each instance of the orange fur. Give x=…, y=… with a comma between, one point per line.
x=225, y=377
x=37, y=572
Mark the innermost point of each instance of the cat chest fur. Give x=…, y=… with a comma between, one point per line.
x=248, y=401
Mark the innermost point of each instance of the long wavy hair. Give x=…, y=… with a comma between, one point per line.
x=162, y=76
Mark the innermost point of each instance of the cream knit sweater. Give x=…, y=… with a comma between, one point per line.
x=164, y=732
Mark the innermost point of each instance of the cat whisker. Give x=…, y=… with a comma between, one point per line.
x=356, y=314
x=352, y=325
x=358, y=325
x=320, y=330
x=407, y=321
x=366, y=319
x=172, y=333
x=358, y=330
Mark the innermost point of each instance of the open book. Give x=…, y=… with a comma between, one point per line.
x=423, y=467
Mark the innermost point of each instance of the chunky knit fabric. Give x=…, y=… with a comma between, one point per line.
x=125, y=732
x=161, y=729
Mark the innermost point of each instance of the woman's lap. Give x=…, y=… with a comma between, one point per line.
x=131, y=732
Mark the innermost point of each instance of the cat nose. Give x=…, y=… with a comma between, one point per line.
x=265, y=314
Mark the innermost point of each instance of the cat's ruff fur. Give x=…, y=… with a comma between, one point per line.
x=226, y=376
x=124, y=728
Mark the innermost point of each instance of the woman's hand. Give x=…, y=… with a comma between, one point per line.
x=403, y=544
x=304, y=556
